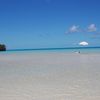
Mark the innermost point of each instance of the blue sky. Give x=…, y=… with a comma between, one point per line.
x=49, y=23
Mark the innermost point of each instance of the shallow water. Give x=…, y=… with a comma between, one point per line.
x=44, y=50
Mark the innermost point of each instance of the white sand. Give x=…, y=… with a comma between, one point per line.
x=49, y=76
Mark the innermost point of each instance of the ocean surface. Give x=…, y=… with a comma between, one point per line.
x=67, y=50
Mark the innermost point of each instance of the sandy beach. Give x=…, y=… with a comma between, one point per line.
x=49, y=76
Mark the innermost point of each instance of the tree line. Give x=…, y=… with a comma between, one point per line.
x=2, y=47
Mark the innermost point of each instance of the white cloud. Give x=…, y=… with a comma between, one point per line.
x=73, y=29
x=76, y=28
x=92, y=28
x=83, y=43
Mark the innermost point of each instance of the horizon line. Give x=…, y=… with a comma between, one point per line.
x=82, y=47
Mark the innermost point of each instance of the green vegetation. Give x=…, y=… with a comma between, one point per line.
x=2, y=47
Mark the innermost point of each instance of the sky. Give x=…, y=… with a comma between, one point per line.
x=28, y=24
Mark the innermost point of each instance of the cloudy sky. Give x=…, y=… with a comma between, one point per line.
x=49, y=23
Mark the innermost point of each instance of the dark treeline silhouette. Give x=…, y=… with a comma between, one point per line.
x=2, y=47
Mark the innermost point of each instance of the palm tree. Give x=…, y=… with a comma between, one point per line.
x=2, y=47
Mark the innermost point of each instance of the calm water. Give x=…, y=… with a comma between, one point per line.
x=67, y=50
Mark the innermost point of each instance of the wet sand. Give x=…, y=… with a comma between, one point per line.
x=49, y=76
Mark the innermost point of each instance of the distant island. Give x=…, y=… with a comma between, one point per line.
x=2, y=47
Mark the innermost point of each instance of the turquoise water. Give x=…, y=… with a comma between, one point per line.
x=67, y=50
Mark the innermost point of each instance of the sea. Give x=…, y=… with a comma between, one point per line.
x=66, y=50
